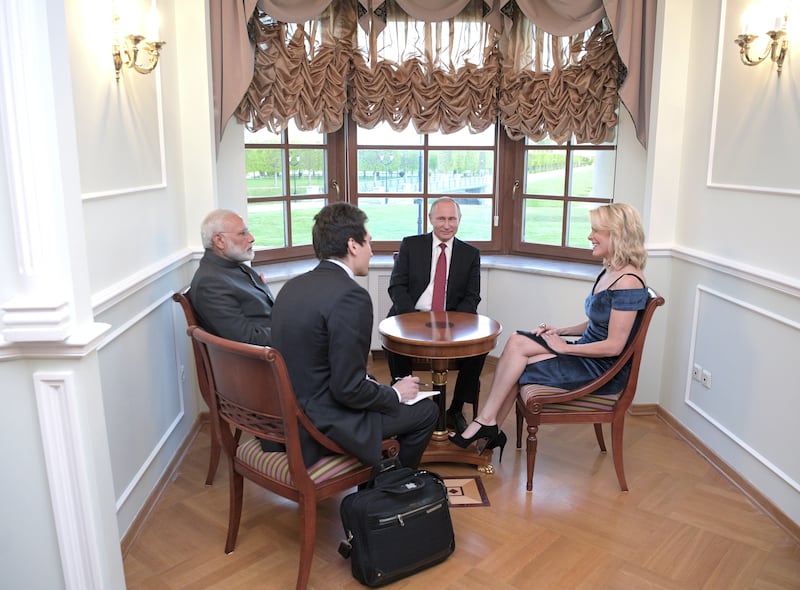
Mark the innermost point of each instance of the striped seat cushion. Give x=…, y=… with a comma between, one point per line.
x=587, y=403
x=276, y=465
x=590, y=403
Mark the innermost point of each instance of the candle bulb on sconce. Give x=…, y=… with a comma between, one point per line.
x=151, y=23
x=133, y=50
x=776, y=48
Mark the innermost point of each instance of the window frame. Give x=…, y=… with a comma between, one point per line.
x=390, y=246
x=333, y=170
x=341, y=181
x=562, y=252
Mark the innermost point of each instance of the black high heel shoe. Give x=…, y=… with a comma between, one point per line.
x=498, y=441
x=488, y=432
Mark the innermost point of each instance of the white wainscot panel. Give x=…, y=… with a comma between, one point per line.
x=748, y=401
x=143, y=393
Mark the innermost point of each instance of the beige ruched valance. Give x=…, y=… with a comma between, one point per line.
x=439, y=76
x=301, y=73
x=577, y=95
x=539, y=67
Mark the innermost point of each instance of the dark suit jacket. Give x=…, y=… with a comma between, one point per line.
x=322, y=325
x=231, y=300
x=412, y=273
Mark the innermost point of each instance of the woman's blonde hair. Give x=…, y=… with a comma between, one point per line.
x=624, y=225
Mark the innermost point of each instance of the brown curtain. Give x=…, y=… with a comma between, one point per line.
x=558, y=17
x=301, y=72
x=231, y=57
x=633, y=23
x=305, y=71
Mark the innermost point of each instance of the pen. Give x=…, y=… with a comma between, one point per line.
x=421, y=384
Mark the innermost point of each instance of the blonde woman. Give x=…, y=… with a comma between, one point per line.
x=544, y=357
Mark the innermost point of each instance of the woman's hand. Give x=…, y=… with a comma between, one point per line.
x=554, y=341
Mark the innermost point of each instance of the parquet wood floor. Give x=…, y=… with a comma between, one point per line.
x=682, y=526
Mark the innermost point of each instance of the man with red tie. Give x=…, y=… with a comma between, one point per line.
x=417, y=285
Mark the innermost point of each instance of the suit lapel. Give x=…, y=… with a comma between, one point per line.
x=257, y=282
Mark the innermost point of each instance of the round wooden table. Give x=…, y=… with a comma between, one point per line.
x=441, y=336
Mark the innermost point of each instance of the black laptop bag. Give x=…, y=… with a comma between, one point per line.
x=397, y=525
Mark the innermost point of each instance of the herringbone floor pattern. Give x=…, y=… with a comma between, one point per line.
x=682, y=526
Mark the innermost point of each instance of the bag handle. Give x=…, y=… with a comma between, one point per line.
x=408, y=486
x=382, y=467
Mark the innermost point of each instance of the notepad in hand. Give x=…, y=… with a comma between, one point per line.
x=420, y=396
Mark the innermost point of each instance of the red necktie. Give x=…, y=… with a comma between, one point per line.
x=439, y=280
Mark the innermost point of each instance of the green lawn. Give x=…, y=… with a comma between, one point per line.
x=392, y=220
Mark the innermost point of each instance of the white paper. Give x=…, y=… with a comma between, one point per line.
x=420, y=396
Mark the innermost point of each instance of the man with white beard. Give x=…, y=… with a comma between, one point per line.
x=231, y=300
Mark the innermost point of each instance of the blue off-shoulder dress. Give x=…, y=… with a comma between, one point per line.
x=570, y=372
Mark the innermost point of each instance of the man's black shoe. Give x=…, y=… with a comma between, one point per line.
x=455, y=421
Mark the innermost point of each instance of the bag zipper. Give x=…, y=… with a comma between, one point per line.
x=399, y=517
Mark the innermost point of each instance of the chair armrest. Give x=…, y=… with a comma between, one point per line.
x=319, y=437
x=390, y=448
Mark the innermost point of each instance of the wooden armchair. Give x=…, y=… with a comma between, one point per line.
x=202, y=381
x=252, y=392
x=539, y=404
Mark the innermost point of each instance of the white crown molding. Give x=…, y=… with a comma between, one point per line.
x=107, y=298
x=760, y=276
x=35, y=319
x=83, y=340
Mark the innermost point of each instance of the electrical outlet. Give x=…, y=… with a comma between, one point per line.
x=697, y=372
x=183, y=373
x=706, y=379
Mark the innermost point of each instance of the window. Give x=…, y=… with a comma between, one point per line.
x=399, y=174
x=287, y=183
x=539, y=207
x=560, y=184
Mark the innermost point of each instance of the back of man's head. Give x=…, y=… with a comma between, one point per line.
x=334, y=225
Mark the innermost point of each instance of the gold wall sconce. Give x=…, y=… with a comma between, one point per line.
x=133, y=50
x=776, y=48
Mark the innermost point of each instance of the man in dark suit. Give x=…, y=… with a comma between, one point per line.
x=231, y=300
x=322, y=325
x=411, y=289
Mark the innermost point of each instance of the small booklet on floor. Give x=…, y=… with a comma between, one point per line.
x=420, y=396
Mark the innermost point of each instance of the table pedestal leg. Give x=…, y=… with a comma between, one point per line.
x=441, y=450
x=439, y=381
